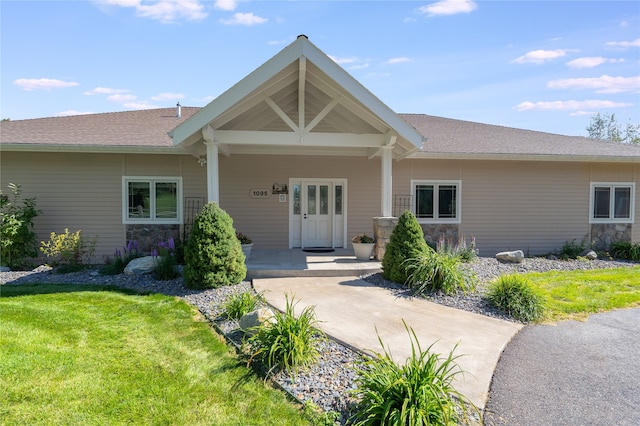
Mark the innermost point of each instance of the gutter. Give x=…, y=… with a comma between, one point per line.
x=524, y=157
x=111, y=149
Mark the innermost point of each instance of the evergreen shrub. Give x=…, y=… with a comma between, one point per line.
x=406, y=242
x=213, y=254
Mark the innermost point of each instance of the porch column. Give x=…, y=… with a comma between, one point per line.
x=213, y=181
x=386, y=190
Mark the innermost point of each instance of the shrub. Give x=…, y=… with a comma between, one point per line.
x=572, y=249
x=288, y=342
x=166, y=265
x=406, y=242
x=213, y=255
x=433, y=271
x=121, y=259
x=241, y=304
x=69, y=248
x=625, y=250
x=514, y=295
x=420, y=392
x=18, y=241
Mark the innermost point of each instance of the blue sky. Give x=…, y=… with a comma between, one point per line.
x=540, y=65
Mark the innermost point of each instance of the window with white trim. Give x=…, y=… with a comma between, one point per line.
x=436, y=201
x=612, y=202
x=152, y=199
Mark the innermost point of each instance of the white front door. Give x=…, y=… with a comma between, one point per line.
x=317, y=215
x=317, y=212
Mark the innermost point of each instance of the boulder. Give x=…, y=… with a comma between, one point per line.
x=141, y=265
x=254, y=319
x=516, y=256
x=5, y=269
x=589, y=254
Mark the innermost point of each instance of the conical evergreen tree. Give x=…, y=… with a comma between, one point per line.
x=406, y=242
x=213, y=255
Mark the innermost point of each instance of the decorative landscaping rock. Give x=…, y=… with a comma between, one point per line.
x=516, y=256
x=589, y=254
x=141, y=265
x=256, y=318
x=5, y=269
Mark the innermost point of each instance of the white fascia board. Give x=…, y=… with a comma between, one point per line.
x=244, y=137
x=111, y=149
x=236, y=93
x=523, y=157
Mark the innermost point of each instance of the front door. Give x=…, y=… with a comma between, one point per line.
x=316, y=213
x=317, y=219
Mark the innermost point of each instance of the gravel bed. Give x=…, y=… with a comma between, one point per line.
x=326, y=384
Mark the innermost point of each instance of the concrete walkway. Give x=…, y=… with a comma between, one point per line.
x=355, y=312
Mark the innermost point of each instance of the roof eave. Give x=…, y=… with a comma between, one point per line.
x=97, y=149
x=524, y=157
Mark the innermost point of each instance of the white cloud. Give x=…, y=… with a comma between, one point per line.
x=397, y=60
x=167, y=96
x=602, y=84
x=449, y=7
x=624, y=44
x=540, y=56
x=351, y=63
x=43, y=83
x=247, y=19
x=73, y=112
x=569, y=105
x=165, y=11
x=226, y=4
x=120, y=98
x=104, y=91
x=343, y=61
x=591, y=61
x=140, y=105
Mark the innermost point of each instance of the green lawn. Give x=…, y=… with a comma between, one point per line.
x=90, y=356
x=576, y=294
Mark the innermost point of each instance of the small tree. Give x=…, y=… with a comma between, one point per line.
x=606, y=127
x=213, y=254
x=18, y=241
x=406, y=242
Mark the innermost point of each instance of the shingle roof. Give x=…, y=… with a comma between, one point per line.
x=444, y=137
x=139, y=129
x=447, y=137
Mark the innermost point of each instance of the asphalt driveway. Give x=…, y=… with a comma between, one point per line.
x=570, y=373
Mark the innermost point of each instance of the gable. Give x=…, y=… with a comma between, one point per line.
x=299, y=101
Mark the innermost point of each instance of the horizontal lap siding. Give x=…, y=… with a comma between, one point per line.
x=508, y=205
x=266, y=221
x=84, y=191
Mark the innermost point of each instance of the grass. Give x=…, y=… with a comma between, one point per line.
x=576, y=294
x=92, y=355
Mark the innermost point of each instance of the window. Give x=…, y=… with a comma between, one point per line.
x=436, y=201
x=612, y=202
x=152, y=200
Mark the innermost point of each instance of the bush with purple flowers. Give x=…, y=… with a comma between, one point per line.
x=166, y=264
x=121, y=258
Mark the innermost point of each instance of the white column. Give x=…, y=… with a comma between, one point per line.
x=213, y=180
x=386, y=188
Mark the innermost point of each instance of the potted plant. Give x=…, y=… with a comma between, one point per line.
x=246, y=244
x=363, y=246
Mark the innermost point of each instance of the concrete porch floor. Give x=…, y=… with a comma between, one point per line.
x=277, y=263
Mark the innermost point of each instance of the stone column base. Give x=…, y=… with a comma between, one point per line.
x=382, y=229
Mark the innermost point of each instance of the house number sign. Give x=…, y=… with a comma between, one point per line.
x=259, y=193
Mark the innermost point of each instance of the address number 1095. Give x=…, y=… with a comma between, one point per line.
x=259, y=193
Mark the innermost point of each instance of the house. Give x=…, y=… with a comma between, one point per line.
x=300, y=154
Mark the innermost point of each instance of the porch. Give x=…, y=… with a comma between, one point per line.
x=267, y=263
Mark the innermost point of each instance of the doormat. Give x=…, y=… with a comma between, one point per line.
x=318, y=250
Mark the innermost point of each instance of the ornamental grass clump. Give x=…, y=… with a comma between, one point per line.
x=121, y=258
x=240, y=304
x=431, y=272
x=420, y=392
x=287, y=343
x=213, y=254
x=515, y=295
